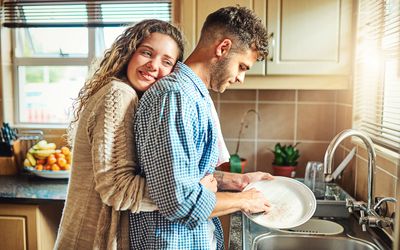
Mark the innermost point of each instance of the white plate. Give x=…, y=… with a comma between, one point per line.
x=62, y=174
x=292, y=203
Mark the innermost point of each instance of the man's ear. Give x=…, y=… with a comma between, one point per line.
x=223, y=47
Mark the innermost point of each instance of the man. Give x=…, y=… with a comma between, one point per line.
x=176, y=139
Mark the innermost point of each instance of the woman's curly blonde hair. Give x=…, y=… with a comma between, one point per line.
x=114, y=64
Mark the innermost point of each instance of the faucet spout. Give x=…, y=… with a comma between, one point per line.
x=330, y=151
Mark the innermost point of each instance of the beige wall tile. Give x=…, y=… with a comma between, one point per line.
x=384, y=186
x=316, y=96
x=310, y=151
x=386, y=164
x=277, y=121
x=344, y=96
x=246, y=150
x=265, y=156
x=230, y=118
x=214, y=95
x=343, y=118
x=361, y=179
x=315, y=122
x=277, y=95
x=238, y=95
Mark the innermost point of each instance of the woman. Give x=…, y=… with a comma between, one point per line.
x=103, y=186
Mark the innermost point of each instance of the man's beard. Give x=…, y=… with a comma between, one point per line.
x=219, y=75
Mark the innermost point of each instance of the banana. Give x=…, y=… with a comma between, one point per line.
x=42, y=154
x=43, y=145
x=27, y=163
x=31, y=159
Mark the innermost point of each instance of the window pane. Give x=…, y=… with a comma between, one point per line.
x=52, y=42
x=105, y=38
x=46, y=92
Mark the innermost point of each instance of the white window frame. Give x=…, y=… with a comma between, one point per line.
x=48, y=61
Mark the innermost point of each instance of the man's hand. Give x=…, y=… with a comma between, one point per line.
x=237, y=182
x=253, y=177
x=254, y=202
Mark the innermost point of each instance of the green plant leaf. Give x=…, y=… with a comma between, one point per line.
x=285, y=155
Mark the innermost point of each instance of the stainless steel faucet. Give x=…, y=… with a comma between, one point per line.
x=368, y=214
x=330, y=151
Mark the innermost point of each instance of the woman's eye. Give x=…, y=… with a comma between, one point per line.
x=168, y=63
x=146, y=53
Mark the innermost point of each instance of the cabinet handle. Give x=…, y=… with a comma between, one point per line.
x=271, y=43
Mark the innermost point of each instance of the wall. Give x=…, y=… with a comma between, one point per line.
x=311, y=117
x=387, y=171
x=286, y=116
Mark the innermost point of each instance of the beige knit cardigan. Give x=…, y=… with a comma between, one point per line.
x=103, y=188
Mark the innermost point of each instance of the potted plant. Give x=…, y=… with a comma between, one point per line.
x=285, y=160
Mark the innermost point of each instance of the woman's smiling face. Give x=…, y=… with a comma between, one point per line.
x=154, y=58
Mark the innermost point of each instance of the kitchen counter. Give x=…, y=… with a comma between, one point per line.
x=25, y=188
x=235, y=234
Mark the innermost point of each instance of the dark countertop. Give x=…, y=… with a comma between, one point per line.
x=26, y=188
x=235, y=234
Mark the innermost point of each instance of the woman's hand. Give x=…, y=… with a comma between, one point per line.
x=210, y=183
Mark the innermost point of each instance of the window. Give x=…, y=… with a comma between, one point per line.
x=377, y=72
x=55, y=43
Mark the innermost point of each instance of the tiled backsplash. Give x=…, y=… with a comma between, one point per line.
x=286, y=116
x=311, y=117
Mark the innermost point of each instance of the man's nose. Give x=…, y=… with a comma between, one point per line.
x=240, y=77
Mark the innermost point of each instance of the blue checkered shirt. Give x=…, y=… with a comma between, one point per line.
x=176, y=146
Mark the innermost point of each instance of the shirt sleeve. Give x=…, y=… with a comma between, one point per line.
x=170, y=160
x=110, y=129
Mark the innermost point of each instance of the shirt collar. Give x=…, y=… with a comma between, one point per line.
x=195, y=78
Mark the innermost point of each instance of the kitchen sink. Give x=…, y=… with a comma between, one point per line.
x=331, y=208
x=295, y=242
x=256, y=237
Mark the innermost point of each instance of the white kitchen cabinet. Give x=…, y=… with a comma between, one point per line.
x=310, y=46
x=310, y=37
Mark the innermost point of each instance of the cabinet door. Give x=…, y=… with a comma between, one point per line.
x=309, y=37
x=13, y=232
x=29, y=226
x=195, y=12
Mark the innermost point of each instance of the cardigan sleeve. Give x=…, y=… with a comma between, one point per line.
x=110, y=130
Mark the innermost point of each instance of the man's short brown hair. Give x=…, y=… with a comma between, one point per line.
x=239, y=24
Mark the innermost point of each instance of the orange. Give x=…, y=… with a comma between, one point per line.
x=39, y=167
x=51, y=159
x=55, y=167
x=60, y=155
x=40, y=161
x=65, y=150
x=61, y=162
x=67, y=167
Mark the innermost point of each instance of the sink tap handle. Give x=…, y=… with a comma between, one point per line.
x=349, y=205
x=363, y=220
x=386, y=199
x=385, y=222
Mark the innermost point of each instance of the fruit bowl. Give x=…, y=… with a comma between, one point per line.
x=44, y=156
x=50, y=174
